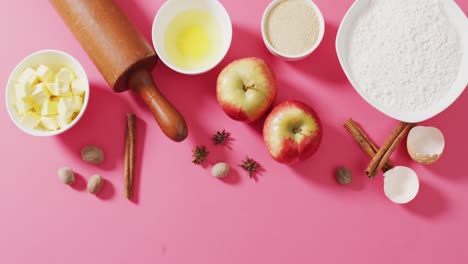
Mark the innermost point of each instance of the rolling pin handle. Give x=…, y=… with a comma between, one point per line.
x=169, y=119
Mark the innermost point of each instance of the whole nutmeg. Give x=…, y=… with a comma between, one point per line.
x=92, y=154
x=95, y=184
x=66, y=175
x=344, y=175
x=220, y=170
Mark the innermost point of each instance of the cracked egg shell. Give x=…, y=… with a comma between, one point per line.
x=401, y=184
x=425, y=144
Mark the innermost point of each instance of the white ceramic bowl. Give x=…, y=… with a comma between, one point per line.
x=460, y=22
x=54, y=59
x=174, y=7
x=287, y=57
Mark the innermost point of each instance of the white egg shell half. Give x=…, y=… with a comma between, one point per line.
x=425, y=144
x=401, y=184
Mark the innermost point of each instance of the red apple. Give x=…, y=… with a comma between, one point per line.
x=292, y=132
x=246, y=89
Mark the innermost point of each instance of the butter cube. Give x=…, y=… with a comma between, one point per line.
x=59, y=88
x=66, y=106
x=22, y=90
x=49, y=108
x=40, y=95
x=65, y=75
x=29, y=100
x=22, y=107
x=27, y=74
x=77, y=87
x=28, y=77
x=45, y=74
x=78, y=102
x=64, y=121
x=53, y=88
x=31, y=120
x=49, y=123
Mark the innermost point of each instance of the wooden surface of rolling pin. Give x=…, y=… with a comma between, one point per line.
x=121, y=54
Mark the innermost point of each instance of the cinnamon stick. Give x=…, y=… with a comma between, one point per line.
x=130, y=155
x=384, y=153
x=364, y=141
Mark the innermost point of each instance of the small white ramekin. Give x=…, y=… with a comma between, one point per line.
x=173, y=7
x=287, y=57
x=53, y=59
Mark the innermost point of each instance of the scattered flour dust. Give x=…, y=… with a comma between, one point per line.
x=404, y=54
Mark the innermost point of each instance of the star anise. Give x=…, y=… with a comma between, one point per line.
x=221, y=137
x=199, y=155
x=250, y=166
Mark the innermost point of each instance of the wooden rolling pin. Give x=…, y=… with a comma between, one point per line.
x=121, y=54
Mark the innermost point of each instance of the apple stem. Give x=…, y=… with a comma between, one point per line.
x=249, y=87
x=297, y=131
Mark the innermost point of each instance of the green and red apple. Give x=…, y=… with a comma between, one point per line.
x=292, y=132
x=246, y=89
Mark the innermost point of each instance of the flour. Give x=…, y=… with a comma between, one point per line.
x=404, y=54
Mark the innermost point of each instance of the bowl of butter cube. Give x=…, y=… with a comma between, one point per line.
x=47, y=93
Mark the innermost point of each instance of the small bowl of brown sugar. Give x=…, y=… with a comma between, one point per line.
x=292, y=29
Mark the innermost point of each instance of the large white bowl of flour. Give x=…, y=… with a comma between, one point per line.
x=407, y=58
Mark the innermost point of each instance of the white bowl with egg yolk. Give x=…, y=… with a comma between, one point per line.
x=54, y=59
x=165, y=18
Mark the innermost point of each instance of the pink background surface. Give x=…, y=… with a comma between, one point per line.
x=289, y=214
